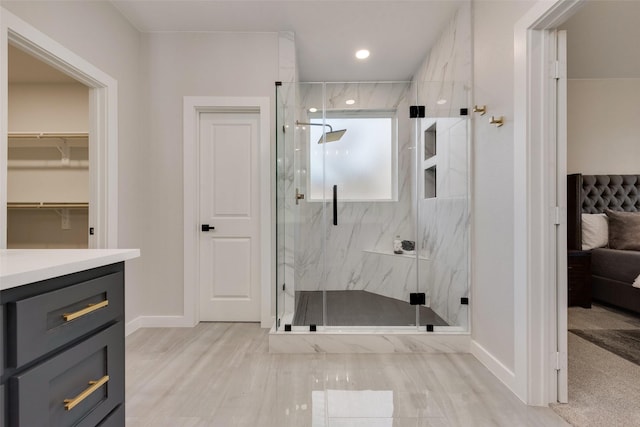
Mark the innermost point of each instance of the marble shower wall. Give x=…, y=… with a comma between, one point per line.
x=444, y=221
x=445, y=73
x=352, y=255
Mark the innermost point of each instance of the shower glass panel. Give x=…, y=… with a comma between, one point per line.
x=280, y=202
x=286, y=202
x=443, y=202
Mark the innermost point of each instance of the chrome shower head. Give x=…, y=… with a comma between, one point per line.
x=331, y=136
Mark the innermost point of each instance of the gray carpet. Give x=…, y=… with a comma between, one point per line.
x=359, y=308
x=623, y=342
x=603, y=386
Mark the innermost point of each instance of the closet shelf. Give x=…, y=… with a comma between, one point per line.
x=46, y=205
x=48, y=139
x=48, y=164
x=44, y=135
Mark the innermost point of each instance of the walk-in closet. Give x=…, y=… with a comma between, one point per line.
x=48, y=156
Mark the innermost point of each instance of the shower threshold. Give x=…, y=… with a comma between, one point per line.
x=364, y=322
x=359, y=308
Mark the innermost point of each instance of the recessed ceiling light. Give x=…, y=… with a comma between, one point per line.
x=362, y=54
x=441, y=101
x=313, y=109
x=350, y=101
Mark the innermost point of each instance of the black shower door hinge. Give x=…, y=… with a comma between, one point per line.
x=417, y=299
x=417, y=112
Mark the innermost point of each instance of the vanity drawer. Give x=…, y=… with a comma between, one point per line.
x=42, y=323
x=59, y=392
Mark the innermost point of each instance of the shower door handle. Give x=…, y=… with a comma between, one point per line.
x=335, y=205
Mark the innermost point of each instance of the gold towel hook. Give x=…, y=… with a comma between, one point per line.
x=497, y=121
x=482, y=110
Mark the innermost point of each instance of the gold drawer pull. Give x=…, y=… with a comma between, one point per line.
x=69, y=404
x=89, y=309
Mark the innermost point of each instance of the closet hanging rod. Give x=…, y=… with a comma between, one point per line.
x=46, y=205
x=42, y=135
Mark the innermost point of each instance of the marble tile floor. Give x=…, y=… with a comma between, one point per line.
x=222, y=375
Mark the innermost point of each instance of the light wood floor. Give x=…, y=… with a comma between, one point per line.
x=222, y=375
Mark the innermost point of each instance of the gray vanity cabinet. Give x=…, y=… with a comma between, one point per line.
x=2, y=393
x=64, y=350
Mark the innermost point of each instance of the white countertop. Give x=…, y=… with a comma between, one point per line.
x=22, y=266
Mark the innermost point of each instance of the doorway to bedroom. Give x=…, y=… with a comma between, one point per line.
x=603, y=316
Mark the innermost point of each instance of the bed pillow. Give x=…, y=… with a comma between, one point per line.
x=595, y=231
x=624, y=230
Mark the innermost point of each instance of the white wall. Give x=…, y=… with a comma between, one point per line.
x=603, y=126
x=178, y=65
x=97, y=32
x=493, y=211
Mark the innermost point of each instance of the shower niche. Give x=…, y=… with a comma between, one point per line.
x=354, y=173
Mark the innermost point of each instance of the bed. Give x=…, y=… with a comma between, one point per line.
x=615, y=258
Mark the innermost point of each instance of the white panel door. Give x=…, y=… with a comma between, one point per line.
x=229, y=204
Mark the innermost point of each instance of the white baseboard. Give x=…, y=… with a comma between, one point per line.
x=157, y=322
x=497, y=368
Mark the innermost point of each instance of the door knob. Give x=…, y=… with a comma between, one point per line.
x=207, y=227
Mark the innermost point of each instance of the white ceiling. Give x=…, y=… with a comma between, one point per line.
x=602, y=35
x=328, y=32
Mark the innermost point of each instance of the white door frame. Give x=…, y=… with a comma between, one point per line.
x=193, y=106
x=561, y=389
x=535, y=298
x=103, y=124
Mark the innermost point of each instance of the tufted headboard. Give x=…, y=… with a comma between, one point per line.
x=594, y=194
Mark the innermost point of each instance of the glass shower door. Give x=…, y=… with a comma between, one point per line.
x=365, y=144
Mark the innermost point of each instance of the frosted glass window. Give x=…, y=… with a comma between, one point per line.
x=362, y=163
